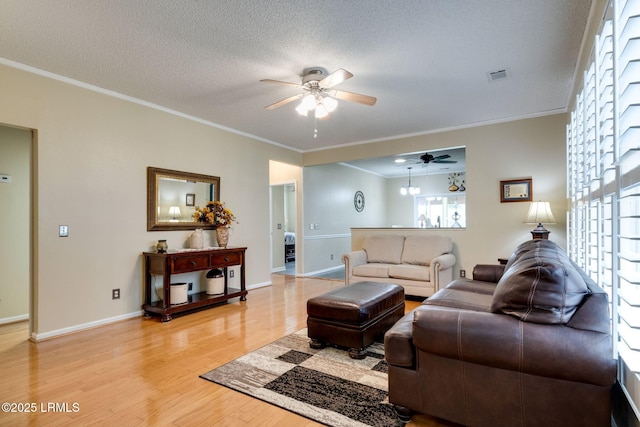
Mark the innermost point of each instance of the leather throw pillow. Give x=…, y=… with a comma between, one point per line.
x=540, y=286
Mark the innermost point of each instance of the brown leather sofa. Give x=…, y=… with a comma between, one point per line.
x=525, y=344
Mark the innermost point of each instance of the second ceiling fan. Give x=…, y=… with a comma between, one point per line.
x=317, y=93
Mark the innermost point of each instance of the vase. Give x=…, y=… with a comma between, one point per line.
x=222, y=236
x=196, y=240
x=162, y=246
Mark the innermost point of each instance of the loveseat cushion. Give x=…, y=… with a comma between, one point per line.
x=541, y=285
x=372, y=270
x=420, y=250
x=384, y=249
x=409, y=272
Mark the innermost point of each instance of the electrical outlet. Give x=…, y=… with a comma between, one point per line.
x=190, y=287
x=331, y=257
x=231, y=273
x=63, y=231
x=115, y=294
x=463, y=273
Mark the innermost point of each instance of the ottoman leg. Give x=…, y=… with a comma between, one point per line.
x=317, y=344
x=357, y=353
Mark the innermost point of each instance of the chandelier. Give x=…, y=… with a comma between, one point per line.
x=404, y=190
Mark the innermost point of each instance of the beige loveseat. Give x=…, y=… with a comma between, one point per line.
x=421, y=264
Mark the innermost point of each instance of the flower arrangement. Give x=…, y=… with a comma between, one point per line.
x=214, y=212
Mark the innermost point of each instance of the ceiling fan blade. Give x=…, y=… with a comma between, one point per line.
x=334, y=78
x=444, y=156
x=353, y=97
x=281, y=83
x=283, y=101
x=445, y=161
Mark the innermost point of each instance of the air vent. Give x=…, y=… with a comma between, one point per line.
x=498, y=75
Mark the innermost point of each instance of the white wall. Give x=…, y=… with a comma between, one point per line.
x=92, y=152
x=15, y=148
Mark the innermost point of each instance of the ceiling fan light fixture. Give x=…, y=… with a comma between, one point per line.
x=319, y=93
x=301, y=110
x=321, y=111
x=330, y=104
x=308, y=102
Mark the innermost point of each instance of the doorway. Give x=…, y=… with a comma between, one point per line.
x=283, y=201
x=15, y=224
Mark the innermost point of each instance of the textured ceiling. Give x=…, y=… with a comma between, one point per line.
x=425, y=60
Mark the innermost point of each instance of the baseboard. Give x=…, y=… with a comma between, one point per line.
x=14, y=319
x=37, y=337
x=326, y=270
x=259, y=285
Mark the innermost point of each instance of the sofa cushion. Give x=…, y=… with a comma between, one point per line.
x=372, y=270
x=409, y=272
x=477, y=286
x=421, y=250
x=541, y=285
x=384, y=249
x=458, y=299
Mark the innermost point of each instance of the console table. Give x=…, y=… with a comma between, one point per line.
x=166, y=264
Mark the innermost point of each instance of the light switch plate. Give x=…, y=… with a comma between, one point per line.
x=64, y=231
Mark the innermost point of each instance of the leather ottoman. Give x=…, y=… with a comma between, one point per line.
x=354, y=316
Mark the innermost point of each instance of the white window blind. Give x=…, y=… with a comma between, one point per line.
x=603, y=182
x=627, y=24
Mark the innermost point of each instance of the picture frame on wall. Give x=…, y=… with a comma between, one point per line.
x=516, y=190
x=190, y=199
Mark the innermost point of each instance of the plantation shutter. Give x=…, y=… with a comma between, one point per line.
x=627, y=26
x=603, y=181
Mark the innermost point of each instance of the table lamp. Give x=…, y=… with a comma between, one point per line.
x=540, y=213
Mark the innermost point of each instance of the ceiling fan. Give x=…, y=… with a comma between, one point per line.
x=428, y=158
x=424, y=160
x=317, y=93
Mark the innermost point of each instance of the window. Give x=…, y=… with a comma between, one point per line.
x=603, y=182
x=440, y=211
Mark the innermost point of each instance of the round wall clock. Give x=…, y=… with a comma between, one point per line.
x=358, y=201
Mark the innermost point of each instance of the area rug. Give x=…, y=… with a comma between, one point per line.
x=324, y=385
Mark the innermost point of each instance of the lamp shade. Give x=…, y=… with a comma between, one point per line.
x=174, y=211
x=540, y=213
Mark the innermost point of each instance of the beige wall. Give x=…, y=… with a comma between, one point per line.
x=15, y=148
x=92, y=154
x=525, y=148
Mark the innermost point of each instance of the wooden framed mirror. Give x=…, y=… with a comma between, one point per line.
x=172, y=197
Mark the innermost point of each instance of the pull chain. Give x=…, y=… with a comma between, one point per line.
x=315, y=127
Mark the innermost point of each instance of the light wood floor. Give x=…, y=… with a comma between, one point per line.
x=144, y=372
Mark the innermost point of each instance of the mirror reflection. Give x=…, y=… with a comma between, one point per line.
x=424, y=189
x=173, y=196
